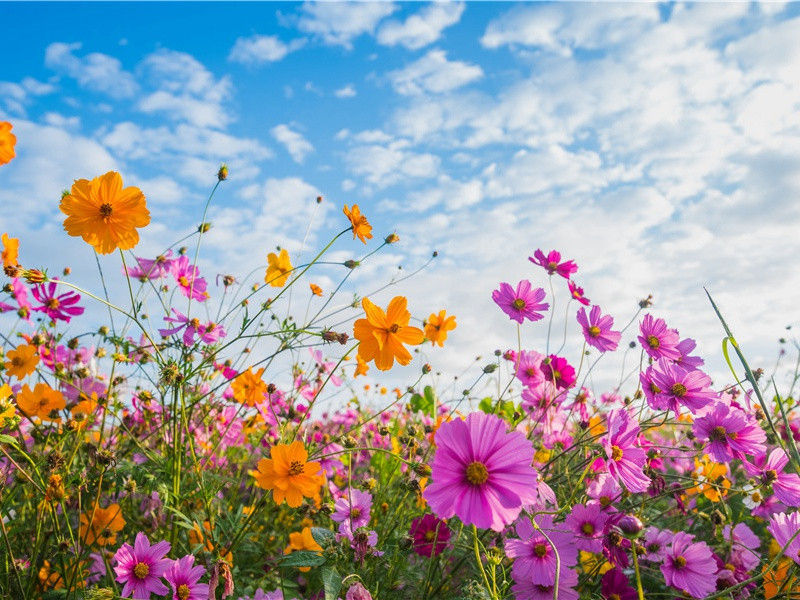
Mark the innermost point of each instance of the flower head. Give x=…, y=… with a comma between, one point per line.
x=249, y=388
x=481, y=472
x=615, y=586
x=658, y=340
x=535, y=551
x=7, y=142
x=597, y=329
x=361, y=227
x=302, y=540
x=105, y=214
x=184, y=577
x=58, y=308
x=577, y=293
x=207, y=332
x=437, y=326
x=352, y=509
x=552, y=263
x=558, y=372
x=43, y=402
x=188, y=278
x=624, y=459
x=521, y=303
x=101, y=525
x=587, y=523
x=430, y=535
x=288, y=474
x=730, y=433
x=141, y=566
x=688, y=565
x=529, y=368
x=10, y=254
x=672, y=386
x=769, y=472
x=278, y=269
x=382, y=334
x=22, y=361
x=784, y=528
x=157, y=268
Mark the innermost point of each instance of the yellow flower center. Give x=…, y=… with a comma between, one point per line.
x=614, y=597
x=519, y=304
x=594, y=331
x=680, y=562
x=183, y=281
x=771, y=475
x=587, y=529
x=183, y=591
x=296, y=467
x=195, y=323
x=552, y=266
x=53, y=303
x=605, y=501
x=653, y=341
x=355, y=513
x=106, y=210
x=430, y=535
x=654, y=388
x=540, y=549
x=477, y=474
x=141, y=570
x=616, y=453
x=678, y=390
x=718, y=434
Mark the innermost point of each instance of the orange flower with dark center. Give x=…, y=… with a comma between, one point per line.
x=43, y=402
x=10, y=254
x=101, y=525
x=248, y=387
x=7, y=142
x=104, y=213
x=382, y=335
x=288, y=474
x=361, y=227
x=437, y=326
x=22, y=361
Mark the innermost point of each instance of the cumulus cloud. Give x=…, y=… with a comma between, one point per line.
x=296, y=145
x=94, y=71
x=339, y=23
x=423, y=27
x=348, y=91
x=16, y=96
x=260, y=49
x=433, y=73
x=384, y=165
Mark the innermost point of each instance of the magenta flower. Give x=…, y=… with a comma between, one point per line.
x=784, y=528
x=689, y=566
x=577, y=293
x=208, y=332
x=605, y=489
x=558, y=371
x=521, y=303
x=567, y=580
x=141, y=567
x=529, y=370
x=730, y=433
x=152, y=269
x=552, y=263
x=188, y=278
x=615, y=585
x=587, y=523
x=744, y=546
x=656, y=542
x=685, y=347
x=671, y=386
x=58, y=308
x=481, y=472
x=534, y=556
x=769, y=471
x=658, y=340
x=539, y=399
x=352, y=509
x=184, y=578
x=624, y=460
x=597, y=330
x=430, y=535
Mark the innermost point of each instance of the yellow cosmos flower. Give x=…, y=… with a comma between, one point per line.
x=7, y=409
x=101, y=525
x=278, y=268
x=7, y=142
x=382, y=334
x=288, y=474
x=248, y=387
x=361, y=227
x=22, y=361
x=10, y=254
x=437, y=326
x=315, y=289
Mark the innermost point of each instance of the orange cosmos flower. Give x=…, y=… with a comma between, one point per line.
x=361, y=227
x=22, y=361
x=382, y=335
x=302, y=540
x=7, y=408
x=104, y=213
x=288, y=474
x=710, y=478
x=7, y=142
x=248, y=388
x=101, y=525
x=779, y=581
x=43, y=401
x=278, y=268
x=10, y=255
x=315, y=289
x=361, y=367
x=437, y=326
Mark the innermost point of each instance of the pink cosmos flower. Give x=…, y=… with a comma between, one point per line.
x=730, y=433
x=615, y=585
x=141, y=567
x=539, y=399
x=587, y=522
x=604, y=489
x=352, y=509
x=784, y=527
x=58, y=308
x=481, y=472
x=184, y=577
x=624, y=460
x=577, y=293
x=685, y=347
x=744, y=546
x=557, y=371
x=597, y=330
x=188, y=278
x=769, y=471
x=529, y=370
x=656, y=542
x=689, y=566
x=552, y=263
x=658, y=340
x=671, y=386
x=209, y=332
x=534, y=556
x=567, y=580
x=152, y=269
x=521, y=303
x=430, y=535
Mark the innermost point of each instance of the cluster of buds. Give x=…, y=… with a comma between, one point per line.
x=331, y=336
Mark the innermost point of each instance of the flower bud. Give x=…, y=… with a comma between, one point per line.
x=630, y=525
x=222, y=174
x=392, y=238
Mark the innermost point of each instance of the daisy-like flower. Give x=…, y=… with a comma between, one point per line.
x=10, y=254
x=101, y=525
x=184, y=577
x=207, y=332
x=686, y=360
x=557, y=371
x=7, y=408
x=188, y=278
x=689, y=566
x=587, y=523
x=481, y=473
x=552, y=263
x=431, y=535
x=577, y=293
x=656, y=542
x=437, y=326
x=784, y=528
x=521, y=303
x=42, y=401
x=352, y=509
x=105, y=214
x=597, y=329
x=22, y=361
x=671, y=386
x=58, y=308
x=382, y=334
x=769, y=472
x=278, y=268
x=529, y=368
x=141, y=566
x=288, y=474
x=534, y=556
x=249, y=388
x=567, y=580
x=7, y=142
x=361, y=227
x=302, y=540
x=730, y=433
x=315, y=289
x=624, y=459
x=157, y=268
x=658, y=340
x=615, y=586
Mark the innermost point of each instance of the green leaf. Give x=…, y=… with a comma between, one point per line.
x=303, y=558
x=7, y=439
x=332, y=582
x=322, y=536
x=486, y=405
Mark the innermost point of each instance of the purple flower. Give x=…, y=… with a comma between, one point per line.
x=604, y=489
x=529, y=370
x=587, y=523
x=689, y=566
x=658, y=340
x=597, y=330
x=744, y=546
x=558, y=371
x=534, y=556
x=430, y=535
x=522, y=303
x=152, y=269
x=784, y=528
x=624, y=460
x=358, y=592
x=655, y=543
x=58, y=308
x=552, y=263
x=188, y=278
x=141, y=567
x=615, y=585
x=481, y=472
x=770, y=472
x=352, y=509
x=577, y=293
x=209, y=332
x=730, y=433
x=184, y=578
x=567, y=580
x=685, y=347
x=671, y=386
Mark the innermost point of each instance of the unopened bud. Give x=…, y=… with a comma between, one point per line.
x=351, y=264
x=222, y=174
x=392, y=238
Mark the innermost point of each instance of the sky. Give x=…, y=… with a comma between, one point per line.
x=656, y=144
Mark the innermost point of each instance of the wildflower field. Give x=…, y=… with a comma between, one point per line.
x=160, y=454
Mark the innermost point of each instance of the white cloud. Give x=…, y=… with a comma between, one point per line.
x=347, y=91
x=95, y=71
x=338, y=23
x=433, y=73
x=421, y=28
x=296, y=145
x=260, y=49
x=15, y=97
x=383, y=165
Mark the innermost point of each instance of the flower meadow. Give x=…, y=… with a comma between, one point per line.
x=164, y=454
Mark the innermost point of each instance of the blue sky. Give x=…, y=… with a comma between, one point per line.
x=656, y=144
